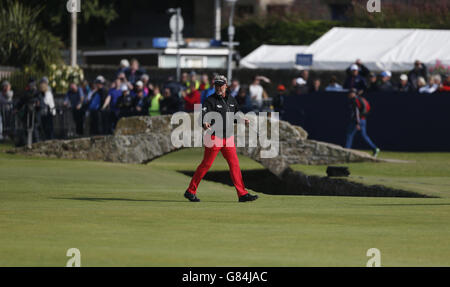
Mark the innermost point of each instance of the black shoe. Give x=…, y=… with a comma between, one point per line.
x=191, y=197
x=248, y=197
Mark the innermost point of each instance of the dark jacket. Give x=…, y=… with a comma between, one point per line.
x=169, y=105
x=221, y=105
x=405, y=89
x=126, y=104
x=357, y=82
x=386, y=87
x=414, y=75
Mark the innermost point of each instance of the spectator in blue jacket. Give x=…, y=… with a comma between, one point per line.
x=113, y=96
x=96, y=104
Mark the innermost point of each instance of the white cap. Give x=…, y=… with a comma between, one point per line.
x=124, y=88
x=139, y=84
x=100, y=79
x=354, y=67
x=403, y=77
x=300, y=81
x=124, y=63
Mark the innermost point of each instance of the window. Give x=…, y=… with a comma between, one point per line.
x=277, y=9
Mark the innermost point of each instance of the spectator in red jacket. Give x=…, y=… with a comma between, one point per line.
x=191, y=97
x=446, y=85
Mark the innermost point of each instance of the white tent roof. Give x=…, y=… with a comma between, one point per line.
x=379, y=49
x=272, y=57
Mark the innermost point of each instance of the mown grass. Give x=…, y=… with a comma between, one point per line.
x=135, y=215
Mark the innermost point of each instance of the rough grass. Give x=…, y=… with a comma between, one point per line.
x=135, y=215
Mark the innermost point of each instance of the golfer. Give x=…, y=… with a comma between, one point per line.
x=220, y=102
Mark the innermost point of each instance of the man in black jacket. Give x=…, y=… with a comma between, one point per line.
x=222, y=139
x=419, y=70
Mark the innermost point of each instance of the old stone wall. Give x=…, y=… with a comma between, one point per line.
x=142, y=139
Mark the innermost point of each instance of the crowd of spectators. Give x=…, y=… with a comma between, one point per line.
x=359, y=77
x=96, y=107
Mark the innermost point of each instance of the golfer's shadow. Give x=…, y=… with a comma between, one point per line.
x=103, y=199
x=258, y=180
x=99, y=199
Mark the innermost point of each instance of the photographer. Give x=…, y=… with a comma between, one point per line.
x=27, y=110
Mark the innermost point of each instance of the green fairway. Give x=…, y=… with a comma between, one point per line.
x=135, y=215
x=424, y=173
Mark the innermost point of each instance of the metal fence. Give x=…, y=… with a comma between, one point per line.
x=20, y=125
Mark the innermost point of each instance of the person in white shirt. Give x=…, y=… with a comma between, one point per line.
x=433, y=86
x=256, y=94
x=48, y=110
x=6, y=95
x=333, y=86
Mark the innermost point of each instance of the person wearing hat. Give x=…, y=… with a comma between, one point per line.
x=355, y=80
x=125, y=103
x=141, y=100
x=97, y=103
x=124, y=65
x=221, y=140
x=386, y=85
x=363, y=71
x=404, y=86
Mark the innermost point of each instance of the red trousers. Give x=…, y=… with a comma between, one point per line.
x=229, y=153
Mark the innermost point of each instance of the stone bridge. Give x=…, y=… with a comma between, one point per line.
x=139, y=140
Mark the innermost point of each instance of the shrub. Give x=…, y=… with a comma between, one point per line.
x=23, y=42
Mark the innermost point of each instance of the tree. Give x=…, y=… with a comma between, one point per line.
x=417, y=14
x=95, y=16
x=23, y=41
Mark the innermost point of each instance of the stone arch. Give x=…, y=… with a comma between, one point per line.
x=139, y=140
